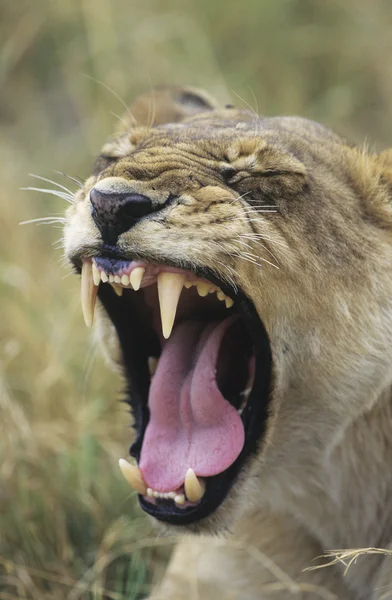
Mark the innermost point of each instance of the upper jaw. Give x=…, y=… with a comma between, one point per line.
x=134, y=275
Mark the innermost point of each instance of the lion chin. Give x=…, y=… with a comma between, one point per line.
x=239, y=269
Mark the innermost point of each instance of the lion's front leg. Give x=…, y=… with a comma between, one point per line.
x=266, y=562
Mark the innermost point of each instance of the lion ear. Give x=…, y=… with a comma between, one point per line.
x=169, y=104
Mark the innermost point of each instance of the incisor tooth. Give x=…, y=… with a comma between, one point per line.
x=134, y=476
x=193, y=486
x=179, y=499
x=88, y=293
x=169, y=291
x=229, y=302
x=104, y=277
x=117, y=279
x=96, y=275
x=125, y=279
x=188, y=284
x=136, y=277
x=220, y=295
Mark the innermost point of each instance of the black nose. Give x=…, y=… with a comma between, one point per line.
x=114, y=213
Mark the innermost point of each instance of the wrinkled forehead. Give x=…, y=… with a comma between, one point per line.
x=222, y=135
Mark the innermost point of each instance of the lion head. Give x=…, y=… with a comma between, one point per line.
x=243, y=272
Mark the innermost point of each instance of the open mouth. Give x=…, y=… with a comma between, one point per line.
x=198, y=362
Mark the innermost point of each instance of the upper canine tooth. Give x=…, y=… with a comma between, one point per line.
x=134, y=476
x=202, y=288
x=169, y=291
x=96, y=274
x=193, y=486
x=136, y=277
x=88, y=293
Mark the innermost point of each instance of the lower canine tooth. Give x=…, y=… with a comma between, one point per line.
x=88, y=293
x=119, y=290
x=134, y=476
x=169, y=291
x=193, y=486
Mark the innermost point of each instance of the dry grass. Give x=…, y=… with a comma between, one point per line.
x=67, y=520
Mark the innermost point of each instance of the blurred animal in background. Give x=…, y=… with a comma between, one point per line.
x=243, y=272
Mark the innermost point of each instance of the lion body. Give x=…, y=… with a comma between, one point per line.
x=312, y=250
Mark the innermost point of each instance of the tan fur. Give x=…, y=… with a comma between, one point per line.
x=318, y=268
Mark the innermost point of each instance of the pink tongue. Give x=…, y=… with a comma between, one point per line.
x=191, y=424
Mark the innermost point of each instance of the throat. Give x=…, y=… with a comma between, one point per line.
x=192, y=424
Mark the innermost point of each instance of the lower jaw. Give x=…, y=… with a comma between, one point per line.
x=136, y=348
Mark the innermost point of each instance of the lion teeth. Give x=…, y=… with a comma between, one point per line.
x=202, y=288
x=193, y=486
x=229, y=302
x=169, y=291
x=166, y=495
x=96, y=275
x=88, y=293
x=133, y=476
x=179, y=499
x=136, y=278
x=118, y=289
x=152, y=365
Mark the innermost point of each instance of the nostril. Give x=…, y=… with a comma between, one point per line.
x=135, y=206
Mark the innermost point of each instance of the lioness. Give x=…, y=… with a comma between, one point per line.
x=243, y=267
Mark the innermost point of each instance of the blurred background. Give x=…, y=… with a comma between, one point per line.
x=69, y=526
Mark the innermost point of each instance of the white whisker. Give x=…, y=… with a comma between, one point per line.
x=44, y=220
x=76, y=180
x=54, y=183
x=57, y=193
